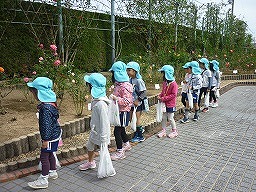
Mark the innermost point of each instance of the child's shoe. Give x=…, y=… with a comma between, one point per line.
x=162, y=134
x=184, y=120
x=87, y=165
x=137, y=139
x=118, y=155
x=40, y=183
x=173, y=134
x=196, y=117
x=127, y=147
x=214, y=105
x=53, y=174
x=205, y=110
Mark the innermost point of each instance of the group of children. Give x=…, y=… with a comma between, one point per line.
x=130, y=94
x=201, y=78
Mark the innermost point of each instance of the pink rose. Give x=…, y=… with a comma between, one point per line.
x=55, y=54
x=57, y=62
x=53, y=47
x=26, y=79
x=41, y=59
x=34, y=73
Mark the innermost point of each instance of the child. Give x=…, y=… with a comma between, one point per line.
x=215, y=82
x=139, y=94
x=168, y=96
x=194, y=86
x=184, y=86
x=100, y=125
x=49, y=128
x=123, y=94
x=206, y=84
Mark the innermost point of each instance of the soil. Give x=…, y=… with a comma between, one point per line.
x=20, y=117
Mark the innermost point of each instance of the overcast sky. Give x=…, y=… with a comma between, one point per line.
x=243, y=9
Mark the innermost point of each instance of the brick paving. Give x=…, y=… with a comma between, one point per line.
x=217, y=153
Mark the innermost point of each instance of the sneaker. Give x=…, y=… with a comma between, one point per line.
x=118, y=155
x=205, y=110
x=53, y=175
x=214, y=105
x=127, y=147
x=210, y=104
x=137, y=139
x=162, y=134
x=40, y=183
x=184, y=120
x=87, y=165
x=173, y=134
x=196, y=117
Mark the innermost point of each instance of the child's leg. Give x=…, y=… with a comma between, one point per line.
x=45, y=160
x=174, y=132
x=118, y=137
x=195, y=104
x=90, y=164
x=52, y=161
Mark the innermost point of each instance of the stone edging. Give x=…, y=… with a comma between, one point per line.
x=70, y=129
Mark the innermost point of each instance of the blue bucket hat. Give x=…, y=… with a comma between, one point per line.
x=44, y=89
x=215, y=65
x=195, y=67
x=205, y=62
x=186, y=65
x=120, y=73
x=136, y=67
x=168, y=72
x=98, y=82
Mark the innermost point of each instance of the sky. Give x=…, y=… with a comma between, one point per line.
x=243, y=9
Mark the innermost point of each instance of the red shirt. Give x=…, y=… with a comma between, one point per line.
x=169, y=93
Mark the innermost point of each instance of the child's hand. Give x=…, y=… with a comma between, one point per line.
x=136, y=103
x=44, y=144
x=111, y=88
x=113, y=97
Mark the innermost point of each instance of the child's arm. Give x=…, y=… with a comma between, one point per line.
x=103, y=123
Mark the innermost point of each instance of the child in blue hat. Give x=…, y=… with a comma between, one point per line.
x=100, y=125
x=215, y=82
x=123, y=95
x=206, y=84
x=49, y=128
x=194, y=86
x=168, y=96
x=139, y=94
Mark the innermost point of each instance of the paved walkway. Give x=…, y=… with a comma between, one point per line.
x=215, y=154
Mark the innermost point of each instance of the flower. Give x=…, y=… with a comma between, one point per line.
x=73, y=81
x=57, y=62
x=26, y=79
x=41, y=45
x=1, y=69
x=55, y=54
x=225, y=55
x=34, y=73
x=73, y=74
x=53, y=47
x=231, y=51
x=41, y=59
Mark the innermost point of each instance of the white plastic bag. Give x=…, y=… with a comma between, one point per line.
x=190, y=99
x=146, y=105
x=134, y=120
x=106, y=168
x=206, y=99
x=159, y=111
x=114, y=117
x=57, y=162
x=217, y=93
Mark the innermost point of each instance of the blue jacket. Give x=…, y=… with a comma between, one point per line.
x=48, y=122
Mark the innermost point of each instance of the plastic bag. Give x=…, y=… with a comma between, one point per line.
x=146, y=105
x=106, y=168
x=159, y=111
x=206, y=99
x=114, y=117
x=217, y=93
x=134, y=120
x=57, y=162
x=190, y=99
